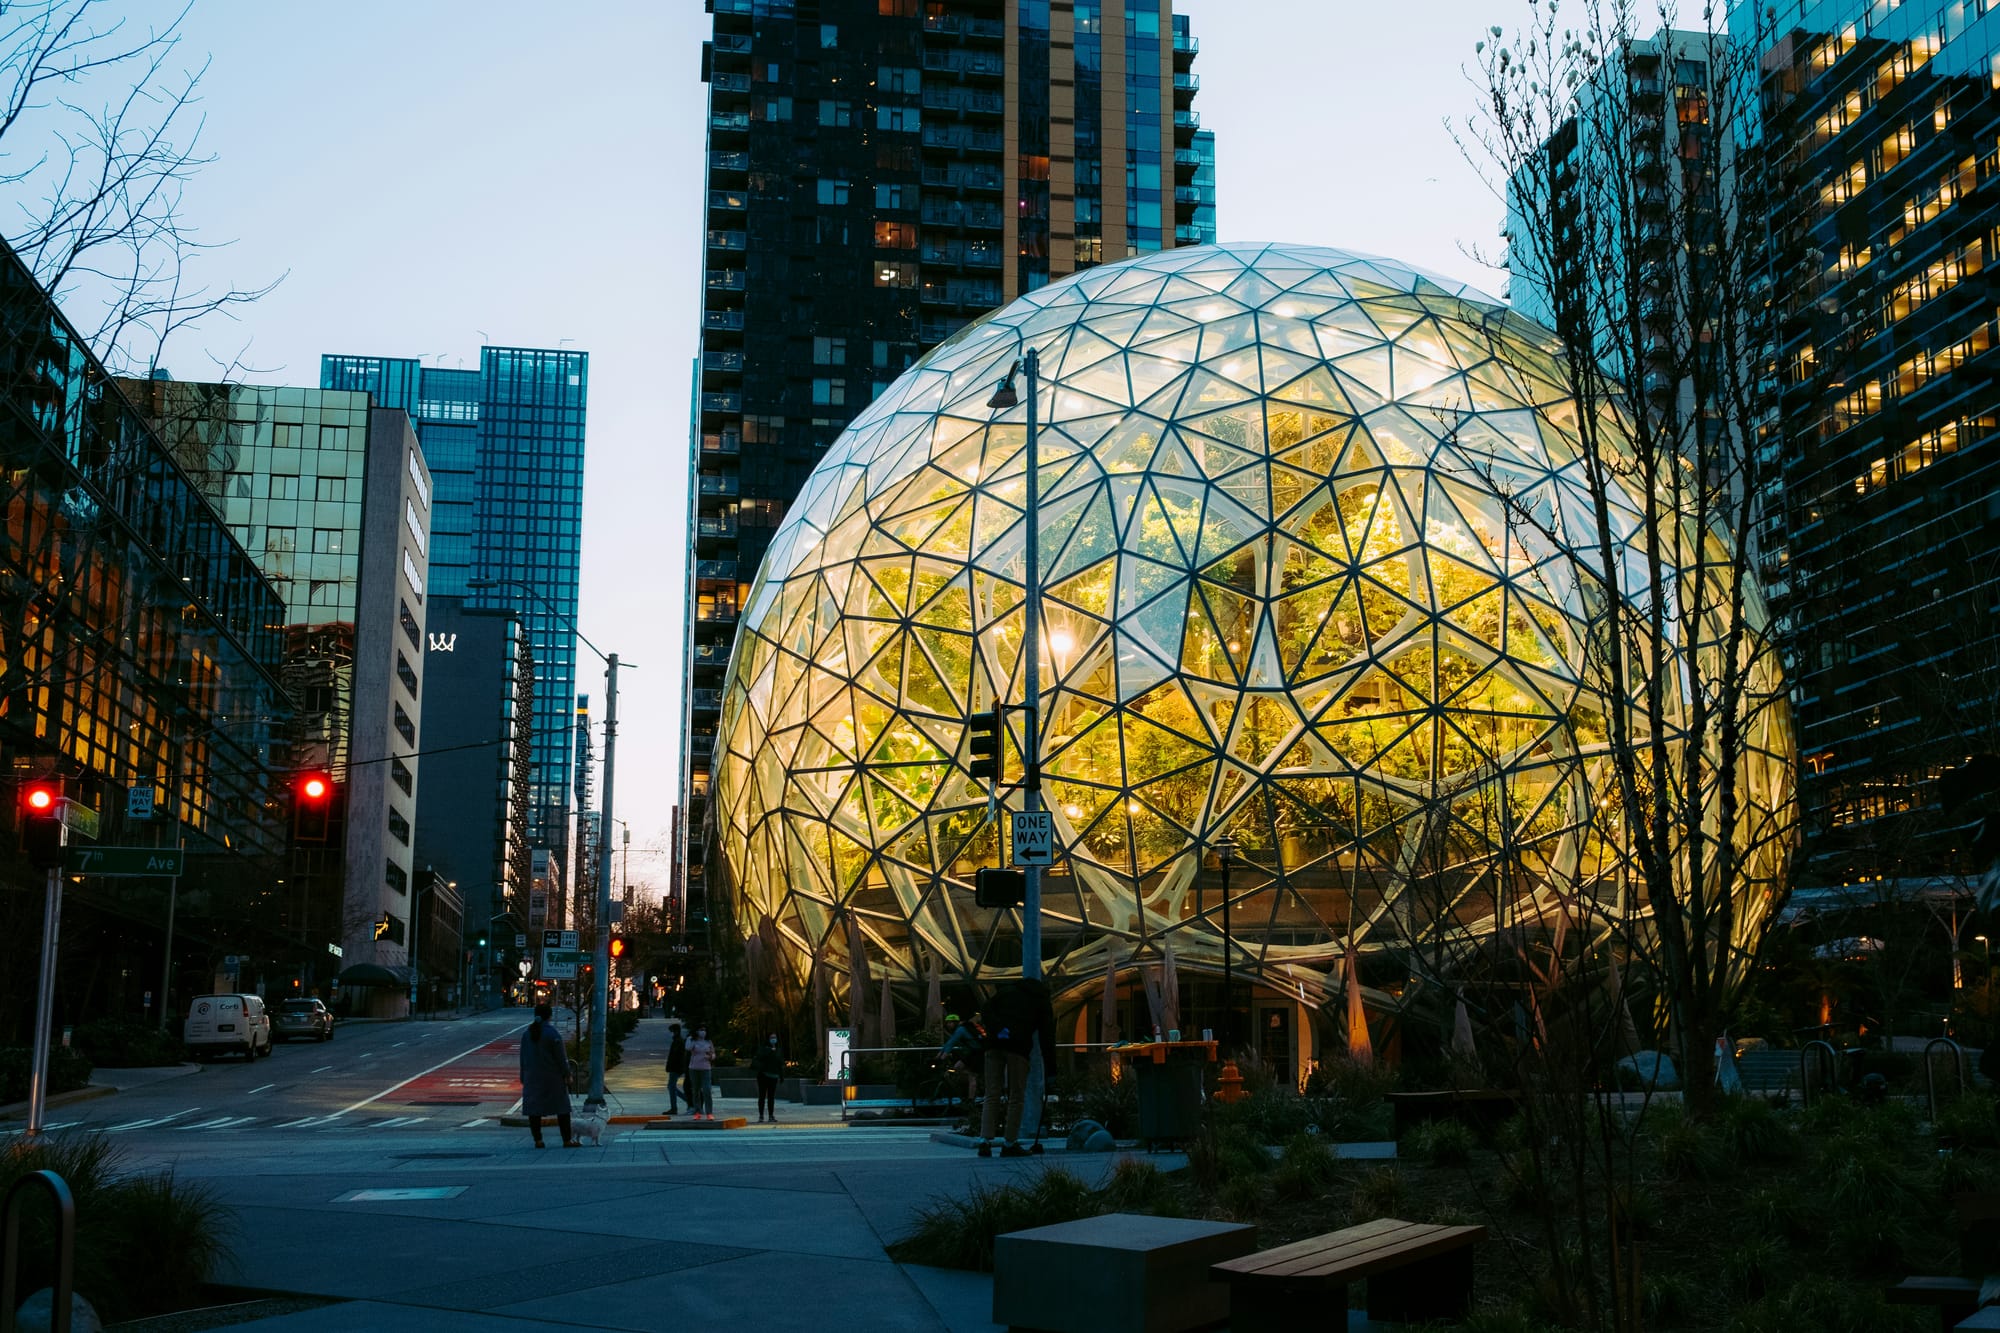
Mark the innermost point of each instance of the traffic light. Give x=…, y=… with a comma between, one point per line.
x=312, y=798
x=617, y=946
x=481, y=942
x=41, y=823
x=999, y=888
x=987, y=760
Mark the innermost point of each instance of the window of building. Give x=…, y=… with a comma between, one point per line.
x=829, y=393
x=284, y=488
x=898, y=79
x=416, y=527
x=397, y=878
x=903, y=118
x=829, y=36
x=330, y=490
x=891, y=274
x=399, y=827
x=835, y=113
x=326, y=541
x=761, y=429
x=896, y=9
x=832, y=190
x=407, y=674
x=829, y=351
x=404, y=727
x=895, y=196
x=895, y=235
x=777, y=108
x=410, y=630
x=399, y=773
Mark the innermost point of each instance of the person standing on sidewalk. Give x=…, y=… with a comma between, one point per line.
x=701, y=1073
x=545, y=1077
x=769, y=1066
x=677, y=1069
x=1019, y=1019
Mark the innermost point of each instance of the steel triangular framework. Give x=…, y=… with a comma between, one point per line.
x=1306, y=539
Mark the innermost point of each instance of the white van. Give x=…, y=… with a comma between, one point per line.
x=219, y=1024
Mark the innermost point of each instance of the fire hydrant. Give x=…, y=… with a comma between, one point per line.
x=1229, y=1084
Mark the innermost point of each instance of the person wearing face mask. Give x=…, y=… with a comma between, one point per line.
x=768, y=1064
x=701, y=1074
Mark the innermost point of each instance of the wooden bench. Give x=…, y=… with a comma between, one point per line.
x=1415, y=1272
x=1956, y=1298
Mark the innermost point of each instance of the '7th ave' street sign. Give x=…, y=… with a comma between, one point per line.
x=126, y=860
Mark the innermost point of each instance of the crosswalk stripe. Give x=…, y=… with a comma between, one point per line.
x=481, y=1121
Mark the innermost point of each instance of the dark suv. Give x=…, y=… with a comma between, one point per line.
x=301, y=1018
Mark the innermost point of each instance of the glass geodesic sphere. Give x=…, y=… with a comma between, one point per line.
x=1307, y=554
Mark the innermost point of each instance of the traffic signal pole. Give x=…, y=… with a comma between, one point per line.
x=1031, y=758
x=45, y=1003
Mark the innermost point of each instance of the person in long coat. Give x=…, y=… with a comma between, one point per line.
x=545, y=1077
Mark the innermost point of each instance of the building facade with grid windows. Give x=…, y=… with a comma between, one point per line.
x=880, y=173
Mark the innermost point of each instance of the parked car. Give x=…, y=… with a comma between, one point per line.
x=227, y=1024
x=302, y=1018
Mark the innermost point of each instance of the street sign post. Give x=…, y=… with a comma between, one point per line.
x=139, y=803
x=1034, y=838
x=569, y=939
x=560, y=964
x=77, y=817
x=552, y=939
x=125, y=860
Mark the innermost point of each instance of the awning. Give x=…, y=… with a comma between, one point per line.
x=370, y=974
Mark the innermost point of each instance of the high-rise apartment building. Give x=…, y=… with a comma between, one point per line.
x=332, y=497
x=506, y=445
x=880, y=173
x=1881, y=136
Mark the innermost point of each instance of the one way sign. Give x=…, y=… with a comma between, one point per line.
x=1034, y=838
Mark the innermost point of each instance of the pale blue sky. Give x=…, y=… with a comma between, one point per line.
x=441, y=174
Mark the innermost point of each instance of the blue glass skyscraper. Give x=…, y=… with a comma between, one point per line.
x=505, y=444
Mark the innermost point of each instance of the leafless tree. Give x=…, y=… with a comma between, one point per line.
x=100, y=135
x=1621, y=142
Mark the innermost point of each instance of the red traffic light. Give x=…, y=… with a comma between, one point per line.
x=315, y=786
x=41, y=797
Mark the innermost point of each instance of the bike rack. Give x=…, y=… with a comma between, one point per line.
x=1930, y=1069
x=10, y=1264
x=1829, y=1064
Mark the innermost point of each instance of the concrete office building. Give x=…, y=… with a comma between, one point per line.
x=332, y=497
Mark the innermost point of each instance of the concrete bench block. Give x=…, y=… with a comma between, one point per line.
x=1120, y=1273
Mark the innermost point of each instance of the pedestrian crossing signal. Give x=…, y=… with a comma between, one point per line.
x=992, y=887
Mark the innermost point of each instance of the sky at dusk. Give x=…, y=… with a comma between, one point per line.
x=431, y=177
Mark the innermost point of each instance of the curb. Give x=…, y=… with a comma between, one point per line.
x=18, y=1110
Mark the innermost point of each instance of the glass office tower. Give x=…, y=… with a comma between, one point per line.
x=876, y=179
x=505, y=444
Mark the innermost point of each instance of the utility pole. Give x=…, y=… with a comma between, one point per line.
x=601, y=992
x=1031, y=682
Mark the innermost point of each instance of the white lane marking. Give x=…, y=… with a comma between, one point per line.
x=482, y=1044
x=207, y=1124
x=254, y=1091
x=148, y=1124
x=227, y=1122
x=398, y=1120
x=515, y=1109
x=471, y=1123
x=322, y=1069
x=394, y=1045
x=369, y=1056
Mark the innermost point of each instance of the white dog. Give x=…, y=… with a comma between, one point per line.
x=589, y=1127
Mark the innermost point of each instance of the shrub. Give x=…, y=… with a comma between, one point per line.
x=124, y=1043
x=1669, y=1298
x=1684, y=1149
x=1242, y=1196
x=1136, y=1186
x=1752, y=1132
x=1971, y=1121
x=1306, y=1169
x=1751, y=1266
x=68, y=1071
x=959, y=1233
x=1379, y=1193
x=180, y=1229
x=1441, y=1142
x=1822, y=1305
x=1220, y=1154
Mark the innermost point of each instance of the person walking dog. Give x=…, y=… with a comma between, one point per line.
x=769, y=1066
x=545, y=1077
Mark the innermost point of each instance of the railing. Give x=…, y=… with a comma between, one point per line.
x=10, y=1263
x=1828, y=1062
x=713, y=485
x=740, y=83
x=723, y=321
x=1930, y=1070
x=733, y=43
x=729, y=161
x=715, y=569
x=728, y=201
x=941, y=1083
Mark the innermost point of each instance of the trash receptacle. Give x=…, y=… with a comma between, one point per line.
x=1170, y=1097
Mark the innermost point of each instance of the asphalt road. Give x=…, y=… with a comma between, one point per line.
x=370, y=1077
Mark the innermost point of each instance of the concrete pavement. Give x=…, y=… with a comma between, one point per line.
x=455, y=1222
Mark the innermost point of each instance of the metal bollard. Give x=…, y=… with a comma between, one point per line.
x=10, y=1262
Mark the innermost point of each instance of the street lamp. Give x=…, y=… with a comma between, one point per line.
x=1003, y=399
x=600, y=991
x=1225, y=850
